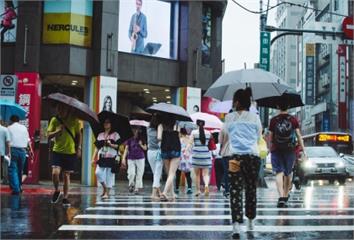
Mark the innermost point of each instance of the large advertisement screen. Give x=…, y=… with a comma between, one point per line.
x=148, y=27
x=8, y=13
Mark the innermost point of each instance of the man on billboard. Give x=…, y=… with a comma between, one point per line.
x=138, y=29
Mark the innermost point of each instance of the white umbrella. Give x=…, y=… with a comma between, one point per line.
x=226, y=106
x=177, y=112
x=141, y=123
x=211, y=121
x=263, y=84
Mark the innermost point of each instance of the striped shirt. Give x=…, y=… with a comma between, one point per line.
x=201, y=156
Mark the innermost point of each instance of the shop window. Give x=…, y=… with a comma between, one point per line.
x=206, y=35
x=8, y=13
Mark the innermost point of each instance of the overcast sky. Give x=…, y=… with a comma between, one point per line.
x=241, y=33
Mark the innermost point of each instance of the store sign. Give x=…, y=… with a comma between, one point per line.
x=342, y=83
x=333, y=138
x=310, y=74
x=264, y=60
x=68, y=22
x=8, y=86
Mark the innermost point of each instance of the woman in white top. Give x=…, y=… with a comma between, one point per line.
x=105, y=154
x=201, y=156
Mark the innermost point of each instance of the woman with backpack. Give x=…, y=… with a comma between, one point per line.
x=201, y=156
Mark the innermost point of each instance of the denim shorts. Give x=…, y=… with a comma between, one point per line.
x=66, y=162
x=170, y=154
x=283, y=162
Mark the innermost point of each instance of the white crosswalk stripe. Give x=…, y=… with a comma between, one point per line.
x=189, y=214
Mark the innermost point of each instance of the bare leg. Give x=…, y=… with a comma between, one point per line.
x=66, y=184
x=287, y=185
x=55, y=178
x=197, y=181
x=206, y=179
x=280, y=184
x=173, y=165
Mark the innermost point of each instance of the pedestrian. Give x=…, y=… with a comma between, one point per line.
x=284, y=129
x=185, y=164
x=154, y=156
x=244, y=129
x=167, y=133
x=201, y=156
x=19, y=137
x=105, y=155
x=134, y=153
x=218, y=164
x=226, y=155
x=29, y=157
x=64, y=128
x=5, y=152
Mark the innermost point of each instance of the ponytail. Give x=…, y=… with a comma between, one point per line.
x=202, y=135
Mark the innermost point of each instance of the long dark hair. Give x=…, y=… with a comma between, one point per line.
x=168, y=122
x=154, y=122
x=202, y=137
x=243, y=97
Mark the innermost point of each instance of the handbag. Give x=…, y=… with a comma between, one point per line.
x=211, y=144
x=262, y=148
x=116, y=165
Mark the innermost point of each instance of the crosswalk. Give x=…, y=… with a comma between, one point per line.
x=325, y=215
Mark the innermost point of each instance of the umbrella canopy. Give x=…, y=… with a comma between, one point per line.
x=119, y=123
x=225, y=106
x=292, y=100
x=177, y=112
x=263, y=84
x=211, y=121
x=139, y=113
x=187, y=125
x=141, y=123
x=79, y=109
x=7, y=109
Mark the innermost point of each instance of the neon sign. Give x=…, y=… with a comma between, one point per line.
x=333, y=138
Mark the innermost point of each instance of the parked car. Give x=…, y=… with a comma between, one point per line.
x=323, y=162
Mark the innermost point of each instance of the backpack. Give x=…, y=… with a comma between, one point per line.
x=284, y=134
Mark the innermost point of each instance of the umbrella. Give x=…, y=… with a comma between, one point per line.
x=7, y=109
x=211, y=121
x=187, y=125
x=263, y=84
x=79, y=109
x=139, y=113
x=141, y=123
x=225, y=106
x=177, y=112
x=119, y=123
x=292, y=99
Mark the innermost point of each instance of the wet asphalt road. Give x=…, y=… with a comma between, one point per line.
x=317, y=211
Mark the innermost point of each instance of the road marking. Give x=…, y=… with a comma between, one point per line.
x=205, y=228
x=212, y=217
x=289, y=209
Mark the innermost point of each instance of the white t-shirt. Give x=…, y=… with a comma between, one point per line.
x=4, y=138
x=18, y=135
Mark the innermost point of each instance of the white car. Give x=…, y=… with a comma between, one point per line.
x=349, y=160
x=323, y=162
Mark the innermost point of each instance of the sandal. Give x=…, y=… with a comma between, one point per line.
x=105, y=197
x=163, y=198
x=197, y=194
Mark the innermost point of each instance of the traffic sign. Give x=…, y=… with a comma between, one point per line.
x=264, y=56
x=348, y=27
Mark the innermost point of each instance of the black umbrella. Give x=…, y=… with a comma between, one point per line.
x=120, y=124
x=292, y=99
x=177, y=112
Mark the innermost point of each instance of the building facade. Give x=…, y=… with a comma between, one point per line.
x=83, y=48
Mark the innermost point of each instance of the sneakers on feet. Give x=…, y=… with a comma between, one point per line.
x=281, y=203
x=56, y=196
x=226, y=194
x=235, y=230
x=131, y=189
x=189, y=191
x=66, y=202
x=250, y=225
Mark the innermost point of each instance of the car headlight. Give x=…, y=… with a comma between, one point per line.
x=308, y=164
x=340, y=164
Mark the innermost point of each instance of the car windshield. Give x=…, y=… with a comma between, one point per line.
x=320, y=152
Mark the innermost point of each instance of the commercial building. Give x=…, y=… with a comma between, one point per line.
x=83, y=48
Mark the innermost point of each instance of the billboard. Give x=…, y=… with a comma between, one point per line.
x=8, y=10
x=148, y=28
x=68, y=22
x=108, y=94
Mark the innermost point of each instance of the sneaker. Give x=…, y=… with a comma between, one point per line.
x=227, y=195
x=281, y=203
x=66, y=202
x=136, y=191
x=297, y=183
x=56, y=196
x=250, y=225
x=236, y=230
x=189, y=191
x=131, y=189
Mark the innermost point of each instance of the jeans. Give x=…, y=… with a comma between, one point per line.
x=188, y=178
x=156, y=165
x=225, y=162
x=18, y=158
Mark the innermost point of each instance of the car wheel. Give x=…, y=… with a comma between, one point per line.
x=342, y=181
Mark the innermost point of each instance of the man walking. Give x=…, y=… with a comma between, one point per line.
x=19, y=138
x=284, y=130
x=5, y=153
x=65, y=130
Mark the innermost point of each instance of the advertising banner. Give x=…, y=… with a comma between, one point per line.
x=8, y=10
x=264, y=55
x=310, y=74
x=108, y=94
x=68, y=22
x=342, y=86
x=29, y=97
x=8, y=86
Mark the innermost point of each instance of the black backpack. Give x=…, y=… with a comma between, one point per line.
x=284, y=133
